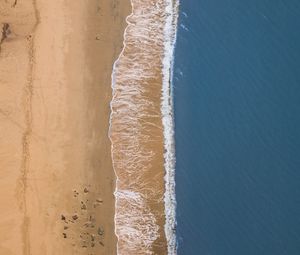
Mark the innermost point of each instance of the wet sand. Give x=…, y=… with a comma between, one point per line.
x=56, y=176
x=141, y=128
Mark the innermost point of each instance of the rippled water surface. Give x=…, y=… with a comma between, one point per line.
x=237, y=118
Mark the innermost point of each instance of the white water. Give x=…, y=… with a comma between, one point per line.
x=170, y=33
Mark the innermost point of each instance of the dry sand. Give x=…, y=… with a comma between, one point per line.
x=56, y=177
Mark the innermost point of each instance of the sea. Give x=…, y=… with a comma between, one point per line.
x=236, y=90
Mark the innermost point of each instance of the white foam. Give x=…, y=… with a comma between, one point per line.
x=133, y=226
x=184, y=27
x=185, y=14
x=170, y=33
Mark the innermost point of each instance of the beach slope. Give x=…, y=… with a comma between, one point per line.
x=56, y=177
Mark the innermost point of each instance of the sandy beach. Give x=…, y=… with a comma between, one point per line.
x=56, y=176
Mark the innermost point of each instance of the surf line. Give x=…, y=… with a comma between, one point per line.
x=169, y=35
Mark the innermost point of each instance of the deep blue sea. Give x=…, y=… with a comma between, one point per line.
x=237, y=117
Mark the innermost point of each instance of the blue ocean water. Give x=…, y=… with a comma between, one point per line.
x=237, y=117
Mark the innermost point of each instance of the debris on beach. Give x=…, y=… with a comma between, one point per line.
x=75, y=217
x=83, y=206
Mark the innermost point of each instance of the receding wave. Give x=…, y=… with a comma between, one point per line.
x=141, y=131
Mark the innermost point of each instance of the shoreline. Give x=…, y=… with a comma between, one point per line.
x=145, y=222
x=69, y=182
x=139, y=222
x=110, y=123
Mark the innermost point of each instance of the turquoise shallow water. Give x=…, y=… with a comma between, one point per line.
x=237, y=117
